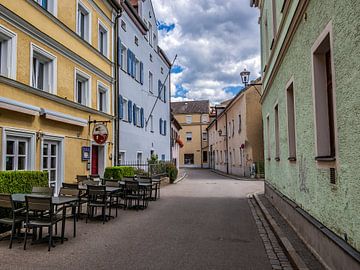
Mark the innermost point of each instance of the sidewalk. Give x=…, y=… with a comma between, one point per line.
x=236, y=177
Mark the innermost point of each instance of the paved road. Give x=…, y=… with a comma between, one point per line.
x=203, y=222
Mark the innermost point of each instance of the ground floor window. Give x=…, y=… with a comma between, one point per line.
x=205, y=156
x=189, y=159
x=139, y=157
x=122, y=157
x=17, y=153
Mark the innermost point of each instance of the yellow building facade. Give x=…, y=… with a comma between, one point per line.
x=193, y=116
x=56, y=81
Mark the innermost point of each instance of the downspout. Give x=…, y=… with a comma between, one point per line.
x=227, y=145
x=117, y=89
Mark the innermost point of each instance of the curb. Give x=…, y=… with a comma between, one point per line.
x=180, y=178
x=294, y=257
x=237, y=178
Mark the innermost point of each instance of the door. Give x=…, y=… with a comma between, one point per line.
x=51, y=163
x=95, y=159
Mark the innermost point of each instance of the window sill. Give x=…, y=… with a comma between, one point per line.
x=277, y=159
x=325, y=159
x=291, y=158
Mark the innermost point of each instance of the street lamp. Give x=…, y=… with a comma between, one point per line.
x=245, y=75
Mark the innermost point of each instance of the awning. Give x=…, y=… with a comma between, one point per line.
x=13, y=105
x=64, y=118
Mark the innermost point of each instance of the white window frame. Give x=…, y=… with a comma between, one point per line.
x=137, y=155
x=102, y=26
x=204, y=118
x=124, y=153
x=123, y=57
x=31, y=152
x=52, y=6
x=50, y=70
x=204, y=138
x=87, y=79
x=87, y=27
x=150, y=34
x=125, y=110
x=188, y=119
x=101, y=87
x=137, y=69
x=187, y=136
x=9, y=40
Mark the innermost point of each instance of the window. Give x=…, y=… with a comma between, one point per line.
x=204, y=118
x=8, y=40
x=241, y=156
x=122, y=157
x=103, y=39
x=205, y=156
x=151, y=58
x=125, y=109
x=233, y=127
x=324, y=97
x=188, y=136
x=150, y=34
x=204, y=136
x=123, y=57
x=163, y=157
x=18, y=150
x=151, y=82
x=277, y=135
x=188, y=159
x=188, y=119
x=103, y=98
x=268, y=137
x=137, y=70
x=273, y=4
x=42, y=69
x=162, y=70
x=162, y=126
x=139, y=157
x=83, y=28
x=151, y=123
x=82, y=88
x=291, y=121
x=123, y=25
x=49, y=5
x=239, y=130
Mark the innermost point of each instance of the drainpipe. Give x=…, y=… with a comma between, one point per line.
x=227, y=144
x=117, y=89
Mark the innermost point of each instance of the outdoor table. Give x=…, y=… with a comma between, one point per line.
x=57, y=201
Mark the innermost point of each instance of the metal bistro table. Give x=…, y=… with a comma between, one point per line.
x=146, y=186
x=56, y=201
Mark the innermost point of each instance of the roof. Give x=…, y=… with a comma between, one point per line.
x=198, y=106
x=175, y=122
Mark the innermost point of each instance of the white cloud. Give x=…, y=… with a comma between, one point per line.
x=214, y=40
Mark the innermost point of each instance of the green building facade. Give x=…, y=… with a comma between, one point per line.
x=310, y=52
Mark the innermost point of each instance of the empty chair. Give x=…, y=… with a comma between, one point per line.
x=48, y=219
x=115, y=198
x=81, y=178
x=68, y=192
x=132, y=194
x=96, y=198
x=15, y=219
x=48, y=191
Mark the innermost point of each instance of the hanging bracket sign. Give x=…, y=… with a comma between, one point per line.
x=100, y=133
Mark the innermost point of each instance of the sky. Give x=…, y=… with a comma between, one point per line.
x=214, y=40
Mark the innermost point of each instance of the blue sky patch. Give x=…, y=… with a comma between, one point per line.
x=177, y=69
x=180, y=91
x=233, y=89
x=166, y=27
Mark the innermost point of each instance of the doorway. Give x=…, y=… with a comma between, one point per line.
x=97, y=159
x=52, y=163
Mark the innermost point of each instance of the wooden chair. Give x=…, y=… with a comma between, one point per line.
x=96, y=198
x=48, y=191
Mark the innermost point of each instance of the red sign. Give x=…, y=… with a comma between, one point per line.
x=100, y=133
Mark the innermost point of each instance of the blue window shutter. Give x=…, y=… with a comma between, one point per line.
x=133, y=65
x=130, y=111
x=160, y=125
x=164, y=93
x=134, y=115
x=142, y=117
x=121, y=112
x=164, y=127
x=128, y=69
x=141, y=73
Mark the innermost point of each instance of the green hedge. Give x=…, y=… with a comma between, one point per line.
x=118, y=172
x=171, y=171
x=22, y=181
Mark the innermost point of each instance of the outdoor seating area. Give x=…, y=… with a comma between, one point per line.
x=42, y=215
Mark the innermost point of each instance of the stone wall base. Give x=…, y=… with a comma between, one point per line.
x=332, y=251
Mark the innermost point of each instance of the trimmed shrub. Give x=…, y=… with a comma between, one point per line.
x=118, y=172
x=171, y=171
x=22, y=181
